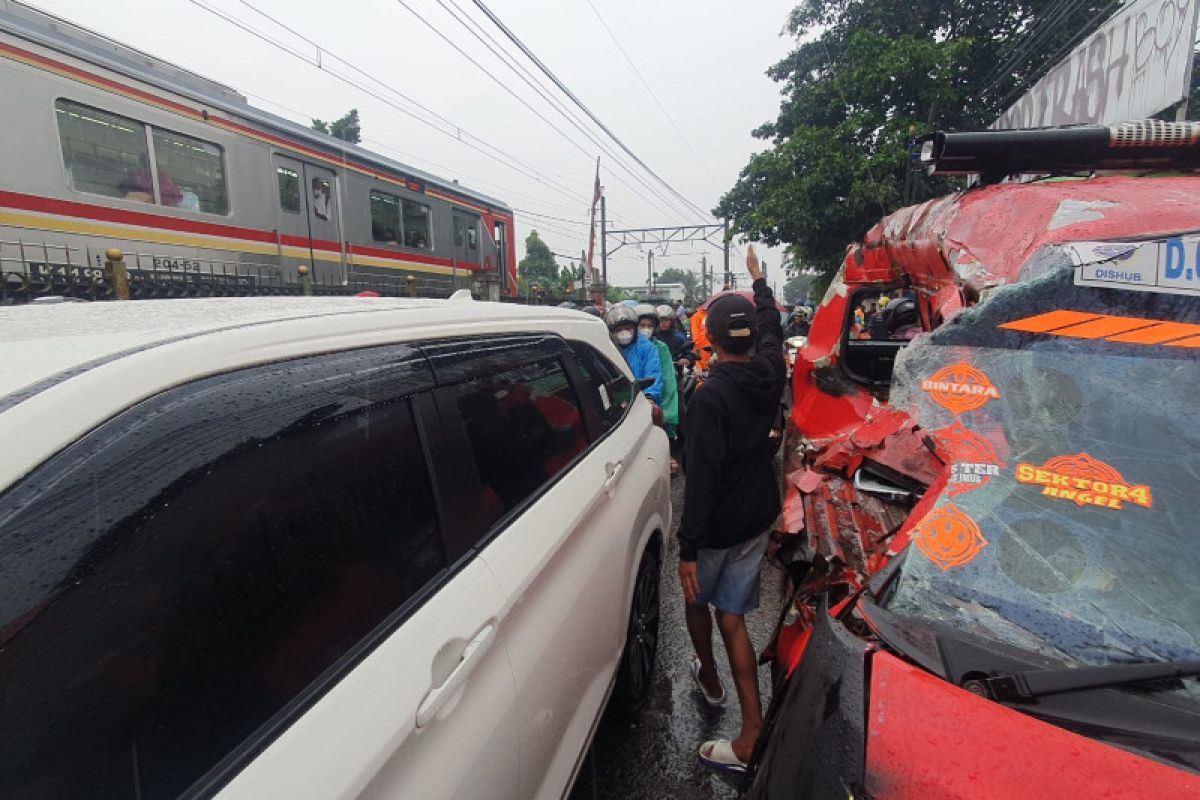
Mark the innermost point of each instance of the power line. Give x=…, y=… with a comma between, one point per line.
x=523, y=72
x=502, y=157
x=500, y=83
x=1087, y=30
x=657, y=102
x=378, y=145
x=563, y=87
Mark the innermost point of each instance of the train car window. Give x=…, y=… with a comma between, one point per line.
x=191, y=173
x=524, y=426
x=289, y=189
x=104, y=153
x=458, y=231
x=473, y=235
x=272, y=526
x=322, y=198
x=385, y=218
x=417, y=230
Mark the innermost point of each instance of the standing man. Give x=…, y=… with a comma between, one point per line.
x=731, y=499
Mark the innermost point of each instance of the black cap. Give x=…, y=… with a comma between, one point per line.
x=730, y=320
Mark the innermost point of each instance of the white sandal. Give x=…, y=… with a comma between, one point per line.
x=717, y=701
x=720, y=756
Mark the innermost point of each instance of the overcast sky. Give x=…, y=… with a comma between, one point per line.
x=705, y=60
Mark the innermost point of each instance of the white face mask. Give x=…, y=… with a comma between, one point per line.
x=645, y=333
x=623, y=337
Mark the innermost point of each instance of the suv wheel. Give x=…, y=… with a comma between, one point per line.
x=641, y=642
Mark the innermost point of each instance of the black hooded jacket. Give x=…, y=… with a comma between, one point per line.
x=732, y=494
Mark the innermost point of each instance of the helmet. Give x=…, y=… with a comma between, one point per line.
x=666, y=312
x=620, y=315
x=884, y=300
x=902, y=314
x=644, y=310
x=595, y=312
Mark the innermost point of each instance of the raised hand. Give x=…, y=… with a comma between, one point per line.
x=752, y=264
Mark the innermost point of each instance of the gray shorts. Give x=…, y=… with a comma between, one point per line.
x=729, y=578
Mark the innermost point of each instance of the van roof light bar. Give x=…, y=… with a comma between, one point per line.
x=994, y=155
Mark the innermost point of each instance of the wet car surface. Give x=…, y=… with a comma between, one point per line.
x=653, y=753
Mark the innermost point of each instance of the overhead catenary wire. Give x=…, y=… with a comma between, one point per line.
x=504, y=86
x=1039, y=33
x=1085, y=31
x=527, y=76
x=653, y=95
x=448, y=170
x=567, y=91
x=500, y=156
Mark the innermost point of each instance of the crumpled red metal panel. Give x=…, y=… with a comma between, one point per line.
x=948, y=250
x=984, y=237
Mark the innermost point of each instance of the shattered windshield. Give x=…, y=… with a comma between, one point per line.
x=1069, y=411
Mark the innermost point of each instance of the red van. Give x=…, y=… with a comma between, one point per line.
x=996, y=569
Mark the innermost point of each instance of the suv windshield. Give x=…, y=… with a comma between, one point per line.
x=1070, y=413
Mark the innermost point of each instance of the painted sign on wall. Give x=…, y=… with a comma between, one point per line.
x=1136, y=65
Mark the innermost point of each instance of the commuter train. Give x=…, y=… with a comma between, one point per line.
x=105, y=146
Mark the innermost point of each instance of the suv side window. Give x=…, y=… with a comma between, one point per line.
x=523, y=426
x=607, y=389
x=186, y=579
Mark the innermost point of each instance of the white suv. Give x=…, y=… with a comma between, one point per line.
x=293, y=548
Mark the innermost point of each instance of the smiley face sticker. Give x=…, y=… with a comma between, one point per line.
x=949, y=538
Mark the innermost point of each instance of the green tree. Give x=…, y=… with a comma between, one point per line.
x=689, y=279
x=538, y=266
x=796, y=290
x=346, y=128
x=866, y=77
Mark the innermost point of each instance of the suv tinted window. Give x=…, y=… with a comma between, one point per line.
x=183, y=574
x=607, y=388
x=524, y=427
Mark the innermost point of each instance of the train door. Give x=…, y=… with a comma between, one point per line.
x=309, y=222
x=466, y=239
x=293, y=216
x=324, y=223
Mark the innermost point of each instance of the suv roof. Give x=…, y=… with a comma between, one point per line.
x=84, y=362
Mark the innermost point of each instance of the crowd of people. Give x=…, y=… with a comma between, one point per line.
x=889, y=317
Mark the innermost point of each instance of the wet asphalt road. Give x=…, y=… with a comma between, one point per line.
x=653, y=754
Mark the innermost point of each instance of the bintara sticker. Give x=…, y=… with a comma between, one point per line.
x=949, y=538
x=1085, y=481
x=973, y=459
x=960, y=387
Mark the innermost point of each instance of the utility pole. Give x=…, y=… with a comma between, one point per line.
x=649, y=273
x=728, y=274
x=704, y=277
x=604, y=243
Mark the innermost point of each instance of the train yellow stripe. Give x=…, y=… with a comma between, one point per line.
x=130, y=232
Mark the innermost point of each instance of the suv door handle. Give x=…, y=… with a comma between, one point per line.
x=438, y=695
x=612, y=472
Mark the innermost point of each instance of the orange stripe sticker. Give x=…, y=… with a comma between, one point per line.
x=1110, y=328
x=1103, y=327
x=1157, y=334
x=1053, y=320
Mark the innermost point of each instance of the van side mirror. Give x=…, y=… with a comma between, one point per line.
x=644, y=384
